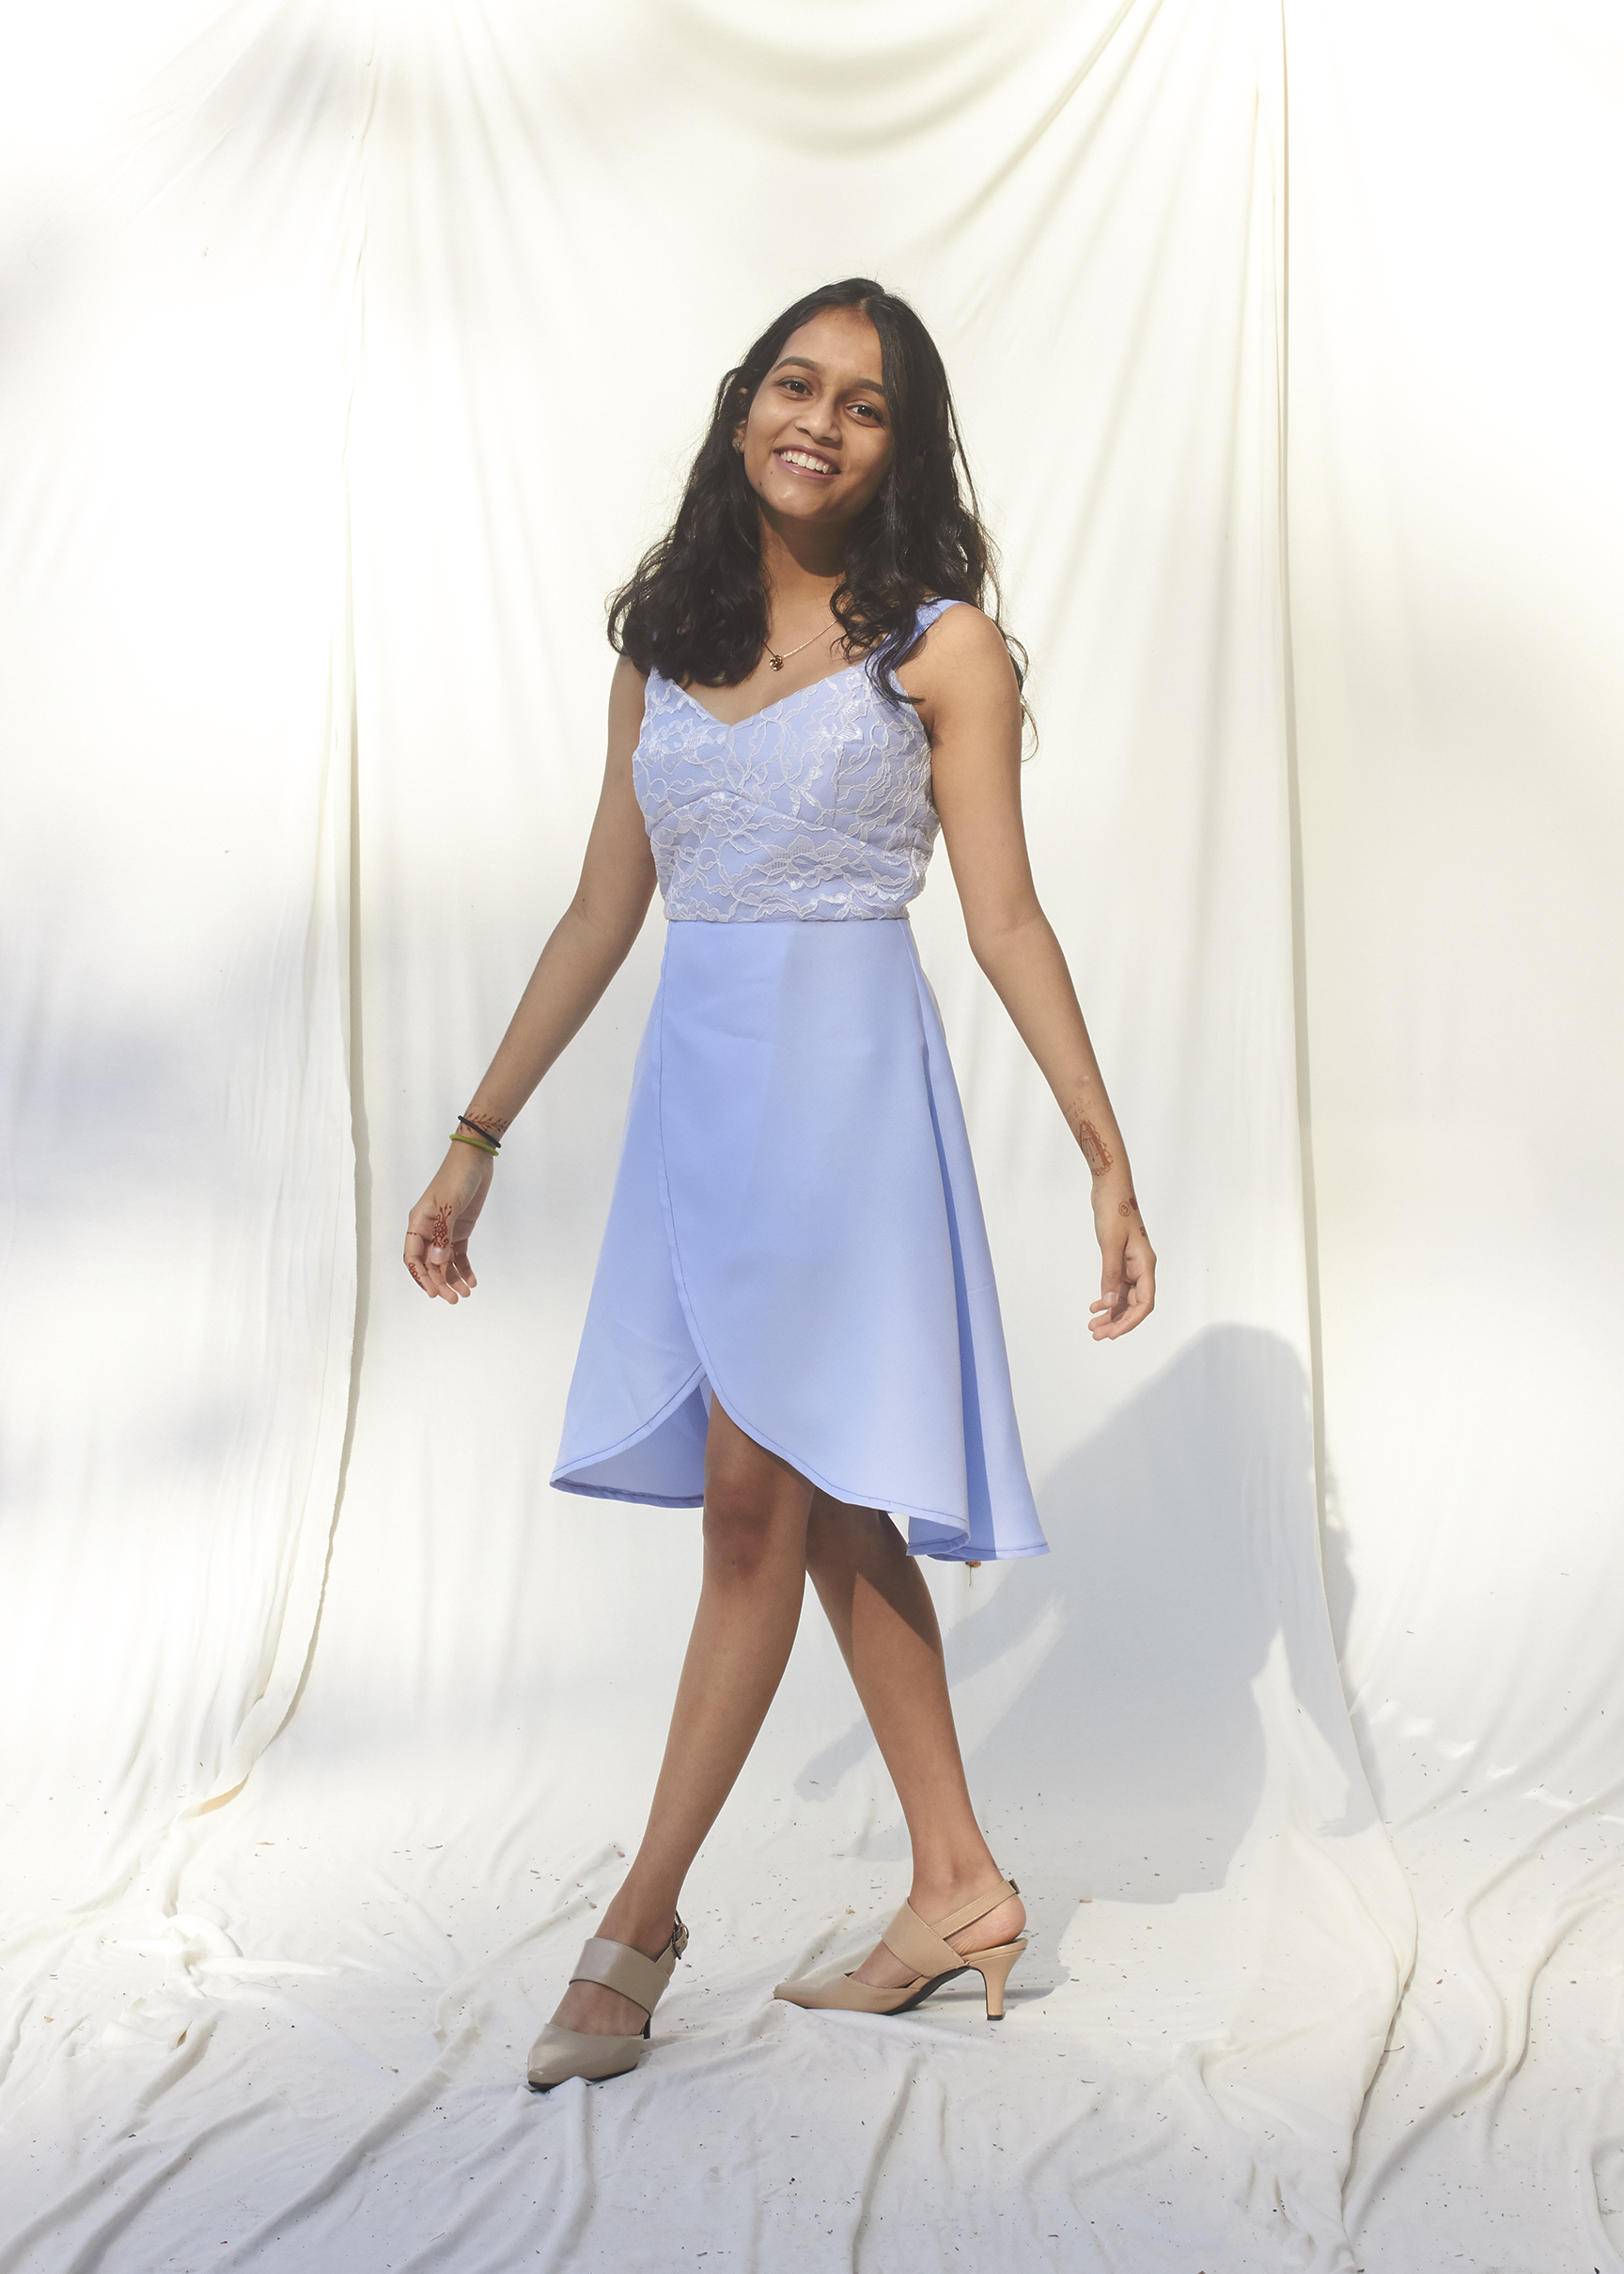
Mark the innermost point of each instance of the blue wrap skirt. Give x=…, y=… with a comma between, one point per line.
x=796, y=1231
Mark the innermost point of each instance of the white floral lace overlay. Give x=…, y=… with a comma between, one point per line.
x=816, y=809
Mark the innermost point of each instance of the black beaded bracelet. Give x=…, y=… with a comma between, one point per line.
x=494, y=1142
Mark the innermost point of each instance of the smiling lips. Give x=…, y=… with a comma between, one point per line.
x=804, y=462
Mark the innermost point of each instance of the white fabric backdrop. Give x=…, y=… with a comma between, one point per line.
x=1457, y=486
x=356, y=354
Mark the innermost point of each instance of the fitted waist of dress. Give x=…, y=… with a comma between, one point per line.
x=737, y=922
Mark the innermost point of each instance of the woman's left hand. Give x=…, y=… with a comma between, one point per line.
x=1127, y=1264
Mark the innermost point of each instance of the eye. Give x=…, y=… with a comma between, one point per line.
x=796, y=383
x=870, y=411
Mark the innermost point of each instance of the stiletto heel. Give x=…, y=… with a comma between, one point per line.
x=993, y=1967
x=933, y=1957
x=559, y=2054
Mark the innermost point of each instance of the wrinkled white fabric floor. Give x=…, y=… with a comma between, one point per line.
x=356, y=352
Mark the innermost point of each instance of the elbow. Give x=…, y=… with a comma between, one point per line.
x=997, y=935
x=605, y=930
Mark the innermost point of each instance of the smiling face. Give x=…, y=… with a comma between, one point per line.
x=817, y=441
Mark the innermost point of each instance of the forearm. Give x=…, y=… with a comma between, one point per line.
x=1024, y=962
x=581, y=957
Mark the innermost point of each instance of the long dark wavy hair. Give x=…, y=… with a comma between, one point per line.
x=697, y=605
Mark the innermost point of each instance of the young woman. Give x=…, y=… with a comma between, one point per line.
x=794, y=1323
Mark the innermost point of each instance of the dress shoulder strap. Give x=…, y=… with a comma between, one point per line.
x=931, y=610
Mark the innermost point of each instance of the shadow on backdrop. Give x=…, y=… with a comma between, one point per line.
x=1129, y=1753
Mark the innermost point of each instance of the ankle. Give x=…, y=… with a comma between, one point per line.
x=946, y=1886
x=641, y=1920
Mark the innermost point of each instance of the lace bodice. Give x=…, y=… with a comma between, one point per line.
x=815, y=810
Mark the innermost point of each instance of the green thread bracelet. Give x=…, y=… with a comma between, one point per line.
x=461, y=1137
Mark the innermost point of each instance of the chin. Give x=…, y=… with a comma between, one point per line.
x=794, y=499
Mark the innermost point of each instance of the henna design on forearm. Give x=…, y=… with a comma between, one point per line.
x=491, y=1124
x=1095, y=1150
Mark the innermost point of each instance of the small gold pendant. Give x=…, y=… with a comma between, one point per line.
x=776, y=661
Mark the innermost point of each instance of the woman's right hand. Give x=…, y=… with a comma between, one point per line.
x=438, y=1227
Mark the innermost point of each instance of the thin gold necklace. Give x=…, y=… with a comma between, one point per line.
x=778, y=662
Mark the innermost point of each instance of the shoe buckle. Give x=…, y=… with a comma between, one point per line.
x=678, y=1939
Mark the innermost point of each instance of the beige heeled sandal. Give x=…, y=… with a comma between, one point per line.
x=933, y=1957
x=559, y=2054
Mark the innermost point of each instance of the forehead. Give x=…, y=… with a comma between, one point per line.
x=841, y=341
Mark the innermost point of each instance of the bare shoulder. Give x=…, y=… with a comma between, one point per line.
x=627, y=690
x=960, y=664
x=965, y=634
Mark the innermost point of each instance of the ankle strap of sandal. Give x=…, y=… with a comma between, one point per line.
x=978, y=1909
x=927, y=1948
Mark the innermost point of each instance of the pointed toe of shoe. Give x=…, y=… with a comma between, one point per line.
x=826, y=1988
x=837, y=1993
x=559, y=2054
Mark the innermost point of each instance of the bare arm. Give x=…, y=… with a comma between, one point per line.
x=971, y=707
x=587, y=947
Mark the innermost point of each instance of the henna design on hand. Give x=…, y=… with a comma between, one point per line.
x=1095, y=1150
x=441, y=1235
x=417, y=1271
x=1128, y=1207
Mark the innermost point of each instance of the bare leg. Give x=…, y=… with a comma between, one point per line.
x=885, y=1623
x=756, y=1511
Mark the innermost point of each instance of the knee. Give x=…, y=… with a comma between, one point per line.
x=744, y=1537
x=753, y=1518
x=747, y=1513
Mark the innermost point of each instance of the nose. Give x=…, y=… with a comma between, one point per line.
x=820, y=424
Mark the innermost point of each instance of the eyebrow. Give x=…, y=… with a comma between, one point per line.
x=807, y=364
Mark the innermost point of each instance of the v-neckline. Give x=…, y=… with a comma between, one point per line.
x=728, y=723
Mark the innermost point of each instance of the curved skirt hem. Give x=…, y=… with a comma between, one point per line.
x=965, y=1551
x=953, y=1546
x=636, y=1499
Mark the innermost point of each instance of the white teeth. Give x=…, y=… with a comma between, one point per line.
x=800, y=458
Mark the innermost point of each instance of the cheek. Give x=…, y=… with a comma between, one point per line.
x=758, y=443
x=878, y=463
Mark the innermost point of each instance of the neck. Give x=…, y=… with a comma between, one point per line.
x=801, y=565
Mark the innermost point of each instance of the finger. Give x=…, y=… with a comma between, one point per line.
x=1140, y=1302
x=1120, y=1316
x=437, y=1254
x=458, y=1270
x=415, y=1254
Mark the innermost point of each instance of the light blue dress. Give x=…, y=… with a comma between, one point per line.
x=795, y=1225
